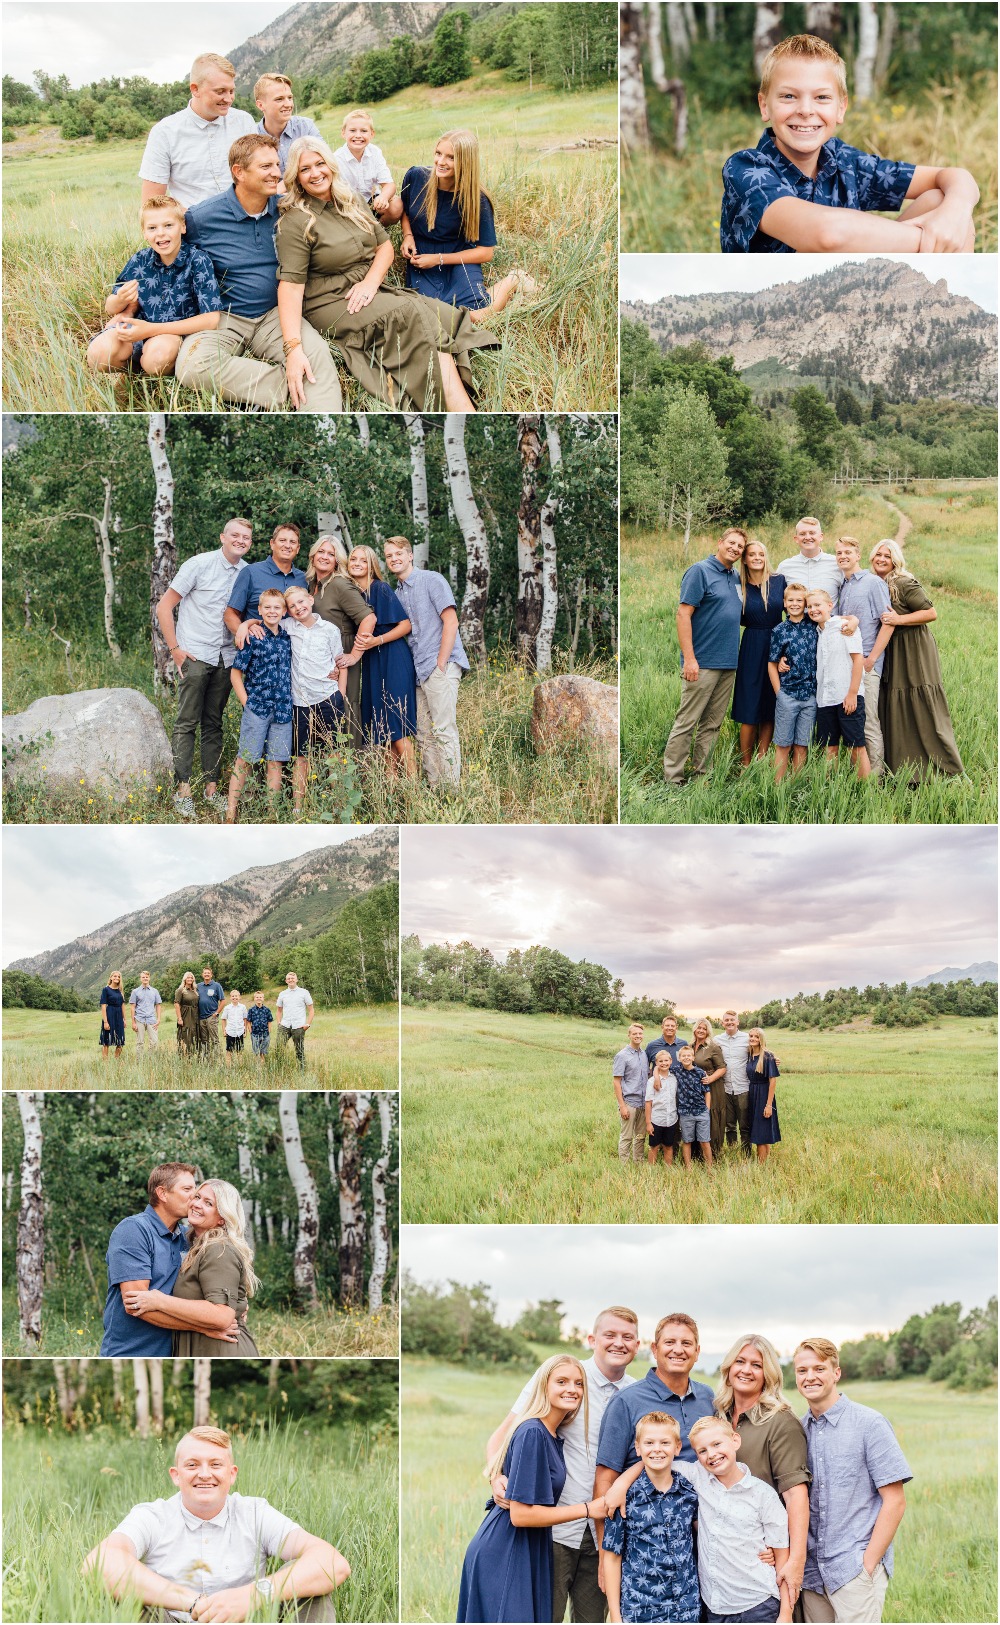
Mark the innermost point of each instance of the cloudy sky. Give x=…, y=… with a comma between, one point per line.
x=62, y=882
x=155, y=38
x=786, y=1281
x=653, y=276
x=709, y=916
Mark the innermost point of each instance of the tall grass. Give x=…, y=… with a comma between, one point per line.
x=671, y=205
x=69, y=227
x=945, y=1551
x=513, y=1119
x=64, y=1494
x=951, y=548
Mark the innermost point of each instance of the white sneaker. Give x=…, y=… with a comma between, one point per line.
x=184, y=805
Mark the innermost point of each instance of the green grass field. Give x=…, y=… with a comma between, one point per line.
x=70, y=225
x=945, y=1551
x=512, y=1119
x=951, y=548
x=64, y=1494
x=357, y=1048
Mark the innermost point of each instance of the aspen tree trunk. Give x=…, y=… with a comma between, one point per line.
x=823, y=20
x=550, y=572
x=140, y=1379
x=30, y=1221
x=272, y=1378
x=631, y=90
x=117, y=1394
x=711, y=19
x=654, y=37
x=336, y=521
x=304, y=1186
x=103, y=529
x=864, y=64
x=238, y=1098
x=528, y=611
x=364, y=432
x=178, y=1371
x=418, y=489
x=477, y=553
x=202, y=1393
x=62, y=1390
x=8, y=1189
x=355, y=1115
x=766, y=31
x=164, y=546
x=156, y=1395
x=678, y=33
x=380, y=1210
x=885, y=17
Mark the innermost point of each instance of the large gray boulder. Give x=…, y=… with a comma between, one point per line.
x=108, y=737
x=567, y=709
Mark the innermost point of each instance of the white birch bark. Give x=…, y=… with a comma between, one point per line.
x=711, y=19
x=654, y=34
x=307, y=1198
x=117, y=1395
x=202, y=1393
x=30, y=1221
x=550, y=571
x=364, y=432
x=766, y=31
x=238, y=1098
x=380, y=1210
x=164, y=545
x=677, y=33
x=156, y=1395
x=418, y=489
x=864, y=63
x=886, y=19
x=631, y=90
x=355, y=1115
x=140, y=1380
x=477, y=553
x=823, y=19
x=103, y=528
x=528, y=609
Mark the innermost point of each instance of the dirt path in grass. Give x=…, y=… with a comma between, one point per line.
x=905, y=522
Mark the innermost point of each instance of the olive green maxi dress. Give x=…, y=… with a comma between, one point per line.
x=214, y=1275
x=391, y=346
x=338, y=601
x=187, y=1031
x=913, y=712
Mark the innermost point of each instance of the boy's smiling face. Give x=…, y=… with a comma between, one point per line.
x=716, y=1449
x=163, y=230
x=357, y=134
x=271, y=611
x=795, y=604
x=656, y=1446
x=820, y=609
x=803, y=106
x=299, y=606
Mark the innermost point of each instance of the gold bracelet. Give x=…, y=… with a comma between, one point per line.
x=288, y=345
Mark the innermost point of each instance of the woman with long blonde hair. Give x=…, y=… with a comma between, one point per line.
x=336, y=599
x=917, y=730
x=112, y=1034
x=388, y=675
x=762, y=1073
x=507, y=1572
x=186, y=1013
x=333, y=258
x=710, y=1058
x=763, y=595
x=449, y=232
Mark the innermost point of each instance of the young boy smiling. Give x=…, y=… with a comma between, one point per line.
x=840, y=684
x=166, y=291
x=803, y=190
x=649, y=1564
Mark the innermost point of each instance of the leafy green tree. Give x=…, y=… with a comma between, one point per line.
x=542, y=1321
x=819, y=428
x=451, y=57
x=690, y=457
x=246, y=973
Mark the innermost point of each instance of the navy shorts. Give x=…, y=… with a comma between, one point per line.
x=233, y=1043
x=834, y=726
x=316, y=726
x=663, y=1134
x=262, y=736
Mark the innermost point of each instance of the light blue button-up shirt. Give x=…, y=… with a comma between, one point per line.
x=297, y=125
x=423, y=595
x=852, y=1454
x=865, y=595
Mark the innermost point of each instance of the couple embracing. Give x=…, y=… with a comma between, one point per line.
x=180, y=1274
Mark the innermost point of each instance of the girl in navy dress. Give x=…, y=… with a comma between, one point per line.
x=113, y=1016
x=753, y=697
x=388, y=675
x=762, y=1070
x=448, y=230
x=507, y=1573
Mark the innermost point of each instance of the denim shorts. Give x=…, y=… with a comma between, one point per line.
x=794, y=720
x=260, y=1043
x=695, y=1128
x=262, y=736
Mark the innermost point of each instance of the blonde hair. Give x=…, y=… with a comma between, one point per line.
x=338, y=548
x=620, y=1312
x=374, y=562
x=231, y=1229
x=115, y=976
x=655, y=1076
x=538, y=1406
x=820, y=592
x=760, y=1034
x=895, y=553
x=343, y=198
x=467, y=189
x=790, y=586
x=702, y=1021
x=658, y=1419
x=183, y=980
x=271, y=592
x=704, y=1422
x=821, y=1346
x=850, y=541
x=208, y=60
x=359, y=115
x=290, y=592
x=765, y=582
x=771, y=1398
x=270, y=79
x=164, y=201
x=207, y=1435
x=803, y=48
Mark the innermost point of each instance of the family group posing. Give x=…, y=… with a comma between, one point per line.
x=317, y=659
x=199, y=1009
x=699, y=1093
x=663, y=1501
x=263, y=245
x=815, y=650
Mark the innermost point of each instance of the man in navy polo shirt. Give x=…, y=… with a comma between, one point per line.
x=245, y=359
x=668, y=1039
x=210, y=996
x=279, y=570
x=708, y=630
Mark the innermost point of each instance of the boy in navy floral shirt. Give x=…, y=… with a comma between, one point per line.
x=650, y=1571
x=693, y=1103
x=165, y=292
x=791, y=667
x=802, y=190
x=266, y=698
x=259, y=1020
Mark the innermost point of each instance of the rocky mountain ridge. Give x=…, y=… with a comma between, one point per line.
x=318, y=38
x=984, y=970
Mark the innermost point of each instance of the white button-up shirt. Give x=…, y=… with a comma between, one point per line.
x=735, y=1051
x=364, y=175
x=293, y=1003
x=834, y=669
x=822, y=571
x=204, y=583
x=733, y=1526
x=190, y=155
x=580, y=1448
x=209, y=1554
x=314, y=651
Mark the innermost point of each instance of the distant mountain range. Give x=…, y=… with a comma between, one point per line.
x=319, y=38
x=878, y=321
x=984, y=971
x=299, y=896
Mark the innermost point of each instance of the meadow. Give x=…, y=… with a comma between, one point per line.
x=671, y=205
x=70, y=225
x=355, y=1048
x=951, y=548
x=512, y=1119
x=945, y=1551
x=504, y=779
x=64, y=1494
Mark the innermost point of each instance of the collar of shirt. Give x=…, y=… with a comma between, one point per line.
x=790, y=171
x=595, y=1375
x=833, y=1415
x=205, y=123
x=194, y=1523
x=237, y=210
x=176, y=1234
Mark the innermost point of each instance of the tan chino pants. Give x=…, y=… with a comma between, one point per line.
x=437, y=728
x=701, y=713
x=243, y=360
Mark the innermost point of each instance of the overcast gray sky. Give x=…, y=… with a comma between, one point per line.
x=158, y=39
x=712, y=915
x=653, y=276
x=786, y=1281
x=60, y=882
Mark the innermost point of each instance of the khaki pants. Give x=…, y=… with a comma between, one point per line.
x=632, y=1139
x=859, y=1602
x=208, y=1035
x=437, y=729
x=304, y=1609
x=873, y=733
x=703, y=706
x=147, y=1034
x=574, y=1580
x=243, y=360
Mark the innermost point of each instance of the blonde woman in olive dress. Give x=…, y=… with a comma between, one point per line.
x=333, y=257
x=186, y=1013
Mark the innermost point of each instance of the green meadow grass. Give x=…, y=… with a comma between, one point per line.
x=70, y=225
x=356, y=1048
x=945, y=1551
x=951, y=548
x=512, y=1119
x=64, y=1494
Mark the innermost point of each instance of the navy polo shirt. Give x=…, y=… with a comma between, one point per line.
x=210, y=996
x=241, y=249
x=265, y=573
x=845, y=178
x=653, y=1049
x=713, y=591
x=616, y=1445
x=141, y=1249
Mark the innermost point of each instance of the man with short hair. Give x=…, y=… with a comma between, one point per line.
x=203, y=651
x=279, y=120
x=438, y=657
x=295, y=1016
x=735, y=1047
x=615, y=1342
x=145, y=1002
x=245, y=359
x=810, y=564
x=277, y=570
x=857, y=1500
x=202, y=1554
x=708, y=630
x=865, y=595
x=186, y=154
x=629, y=1072
x=210, y=995
x=669, y=1039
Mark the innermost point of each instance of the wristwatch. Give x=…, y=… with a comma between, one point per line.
x=265, y=1588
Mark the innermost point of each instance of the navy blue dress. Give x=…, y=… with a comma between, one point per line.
x=508, y=1572
x=753, y=696
x=763, y=1130
x=388, y=677
x=115, y=1002
x=460, y=285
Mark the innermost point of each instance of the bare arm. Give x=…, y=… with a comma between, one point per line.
x=523, y=1516
x=850, y=700
x=772, y=672
x=402, y=629
x=449, y=632
x=916, y=617
x=888, y=1521
x=313, y=1568
x=686, y=641
x=884, y=634
x=239, y=686
x=622, y=1108
x=290, y=296
x=153, y=189
x=123, y=1575
x=165, y=621
x=819, y=228
x=797, y=1506
x=205, y=322
x=104, y=1015
x=182, y=1314
x=611, y=1568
